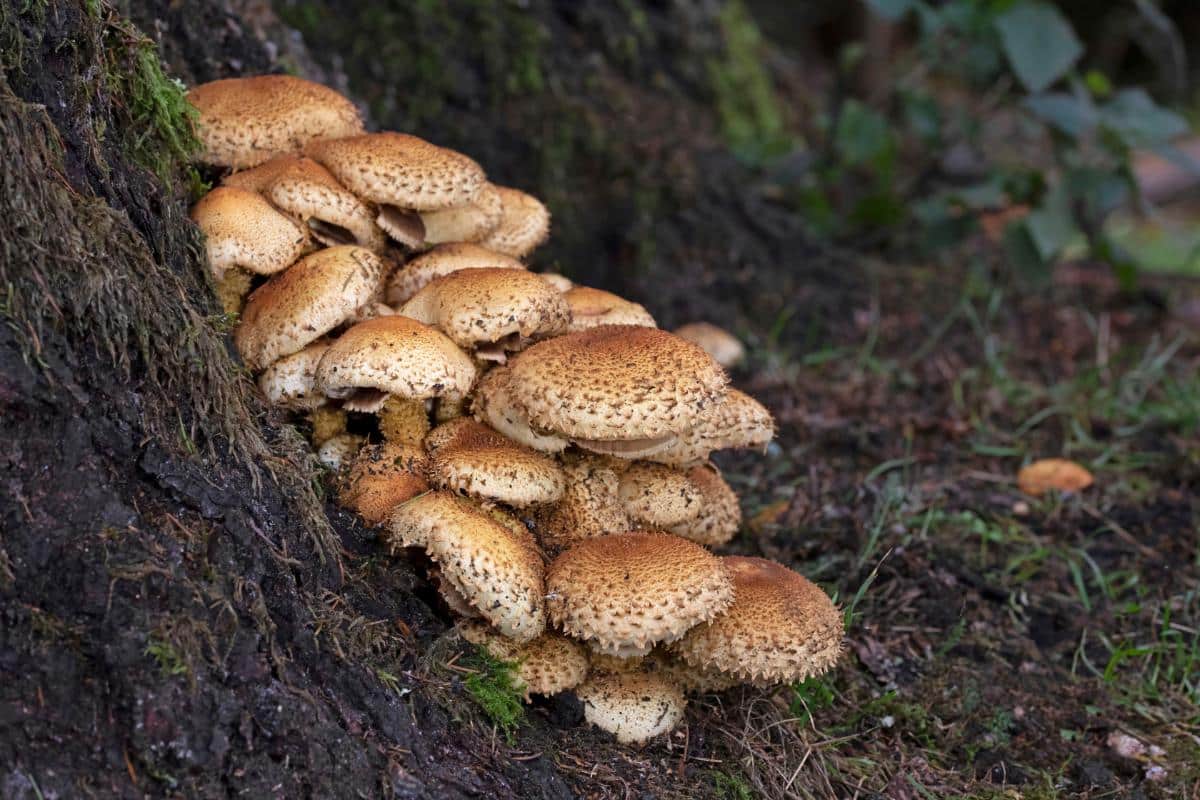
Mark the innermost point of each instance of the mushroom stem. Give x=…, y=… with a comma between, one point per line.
x=404, y=421
x=232, y=289
x=327, y=422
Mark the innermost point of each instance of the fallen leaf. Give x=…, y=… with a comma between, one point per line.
x=769, y=515
x=1053, y=473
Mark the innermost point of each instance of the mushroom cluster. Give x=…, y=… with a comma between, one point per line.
x=544, y=445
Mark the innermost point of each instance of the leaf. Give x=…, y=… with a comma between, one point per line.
x=891, y=10
x=1072, y=115
x=1052, y=225
x=1039, y=42
x=1140, y=122
x=1053, y=473
x=863, y=136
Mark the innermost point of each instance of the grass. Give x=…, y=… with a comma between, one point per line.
x=493, y=688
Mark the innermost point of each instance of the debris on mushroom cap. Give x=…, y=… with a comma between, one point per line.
x=588, y=507
x=623, y=593
x=381, y=477
x=404, y=421
x=241, y=229
x=524, y=224
x=465, y=223
x=560, y=282
x=720, y=512
x=291, y=382
x=490, y=310
x=327, y=422
x=339, y=451
x=245, y=121
x=717, y=342
x=299, y=306
x=632, y=706
x=658, y=496
x=443, y=260
x=497, y=570
x=738, y=422
x=547, y=665
x=780, y=628
x=394, y=355
x=592, y=307
x=469, y=457
x=493, y=404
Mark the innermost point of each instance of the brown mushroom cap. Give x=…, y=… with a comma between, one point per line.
x=738, y=422
x=524, y=224
x=589, y=506
x=593, y=307
x=395, y=355
x=442, y=260
x=717, y=342
x=624, y=593
x=291, y=382
x=382, y=477
x=245, y=121
x=720, y=512
x=299, y=306
x=546, y=665
x=493, y=404
x=632, y=706
x=616, y=382
x=241, y=229
x=780, y=628
x=471, y=458
x=466, y=223
x=496, y=567
x=560, y=282
x=658, y=496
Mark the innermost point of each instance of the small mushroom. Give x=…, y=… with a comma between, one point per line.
x=524, y=224
x=471, y=458
x=291, y=382
x=658, y=496
x=547, y=665
x=328, y=422
x=466, y=223
x=382, y=477
x=593, y=307
x=339, y=451
x=589, y=506
x=737, y=422
x=720, y=512
x=717, y=342
x=560, y=282
x=632, y=706
x=442, y=260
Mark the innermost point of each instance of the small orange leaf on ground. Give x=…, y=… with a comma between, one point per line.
x=1053, y=473
x=769, y=515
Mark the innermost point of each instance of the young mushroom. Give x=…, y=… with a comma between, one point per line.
x=593, y=307
x=468, y=457
x=658, y=496
x=524, y=224
x=547, y=665
x=442, y=260
x=632, y=706
x=737, y=422
x=381, y=477
x=717, y=342
x=720, y=512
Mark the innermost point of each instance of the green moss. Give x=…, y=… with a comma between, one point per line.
x=728, y=786
x=493, y=688
x=170, y=663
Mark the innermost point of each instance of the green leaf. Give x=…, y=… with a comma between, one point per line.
x=1023, y=255
x=1051, y=226
x=1072, y=115
x=891, y=10
x=1039, y=42
x=1140, y=122
x=863, y=136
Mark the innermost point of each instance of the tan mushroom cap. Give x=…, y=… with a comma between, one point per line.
x=624, y=593
x=479, y=307
x=465, y=223
x=246, y=121
x=241, y=229
x=658, y=496
x=616, y=383
x=720, y=514
x=717, y=342
x=382, y=477
x=493, y=404
x=299, y=306
x=442, y=260
x=291, y=382
x=339, y=451
x=397, y=356
x=496, y=567
x=589, y=505
x=781, y=627
x=524, y=224
x=546, y=665
x=632, y=706
x=560, y=282
x=471, y=458
x=738, y=422
x=593, y=307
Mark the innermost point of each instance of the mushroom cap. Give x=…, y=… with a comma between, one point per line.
x=781, y=627
x=291, y=382
x=524, y=224
x=616, y=382
x=623, y=593
x=241, y=229
x=547, y=665
x=339, y=451
x=469, y=222
x=480, y=306
x=592, y=307
x=245, y=121
x=442, y=260
x=495, y=566
x=720, y=514
x=658, y=496
x=396, y=355
x=717, y=342
x=382, y=477
x=632, y=706
x=738, y=422
x=400, y=170
x=471, y=458
x=493, y=404
x=299, y=306
x=560, y=282
x=589, y=506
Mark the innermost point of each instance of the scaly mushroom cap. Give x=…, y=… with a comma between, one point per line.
x=442, y=260
x=394, y=355
x=246, y=121
x=382, y=477
x=632, y=706
x=593, y=307
x=524, y=224
x=466, y=223
x=616, y=383
x=717, y=342
x=658, y=496
x=738, y=422
x=471, y=458
x=720, y=512
x=780, y=628
x=496, y=567
x=479, y=307
x=493, y=404
x=299, y=306
x=291, y=382
x=547, y=665
x=624, y=593
x=589, y=505
x=560, y=282
x=241, y=229
x=692, y=680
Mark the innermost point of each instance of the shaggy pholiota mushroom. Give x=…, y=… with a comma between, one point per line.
x=469, y=222
x=589, y=506
x=547, y=665
x=381, y=477
x=494, y=404
x=735, y=423
x=720, y=513
x=524, y=224
x=291, y=382
x=717, y=342
x=591, y=308
x=468, y=457
x=658, y=496
x=632, y=706
x=442, y=260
